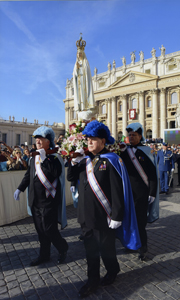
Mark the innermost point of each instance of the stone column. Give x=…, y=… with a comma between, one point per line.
x=114, y=133
x=154, y=113
x=163, y=111
x=124, y=111
x=66, y=118
x=141, y=108
x=108, y=102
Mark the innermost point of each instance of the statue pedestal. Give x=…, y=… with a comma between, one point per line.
x=86, y=114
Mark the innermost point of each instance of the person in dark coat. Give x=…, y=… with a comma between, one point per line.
x=100, y=187
x=45, y=196
x=166, y=165
x=177, y=160
x=143, y=178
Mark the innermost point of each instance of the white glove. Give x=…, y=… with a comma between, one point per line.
x=151, y=199
x=79, y=158
x=115, y=224
x=42, y=153
x=172, y=170
x=16, y=194
x=72, y=189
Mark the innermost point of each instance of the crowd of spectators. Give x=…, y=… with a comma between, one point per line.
x=14, y=158
x=17, y=157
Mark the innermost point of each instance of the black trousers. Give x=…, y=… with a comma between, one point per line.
x=46, y=224
x=100, y=242
x=141, y=215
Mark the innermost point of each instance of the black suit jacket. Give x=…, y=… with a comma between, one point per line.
x=90, y=211
x=52, y=169
x=140, y=190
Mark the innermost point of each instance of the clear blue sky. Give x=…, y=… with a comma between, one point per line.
x=38, y=46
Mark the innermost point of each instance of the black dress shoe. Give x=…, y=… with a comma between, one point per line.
x=167, y=193
x=62, y=257
x=162, y=192
x=39, y=261
x=88, y=288
x=142, y=253
x=108, y=279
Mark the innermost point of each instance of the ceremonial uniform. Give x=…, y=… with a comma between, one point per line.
x=177, y=157
x=93, y=218
x=45, y=209
x=45, y=181
x=141, y=191
x=166, y=163
x=105, y=205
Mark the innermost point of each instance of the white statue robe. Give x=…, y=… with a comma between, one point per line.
x=83, y=88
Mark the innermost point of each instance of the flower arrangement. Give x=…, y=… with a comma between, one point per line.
x=74, y=139
x=116, y=148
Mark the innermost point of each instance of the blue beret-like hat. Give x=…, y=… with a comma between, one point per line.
x=165, y=144
x=137, y=127
x=47, y=133
x=98, y=129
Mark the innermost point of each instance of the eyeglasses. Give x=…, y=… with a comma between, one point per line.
x=18, y=152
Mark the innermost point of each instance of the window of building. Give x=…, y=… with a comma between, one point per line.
x=119, y=119
x=149, y=102
x=149, y=116
x=18, y=139
x=149, y=134
x=174, y=98
x=4, y=137
x=172, y=124
x=120, y=107
x=103, y=108
x=72, y=90
x=134, y=103
x=74, y=115
x=148, y=71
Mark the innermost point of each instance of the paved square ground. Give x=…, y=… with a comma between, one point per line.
x=156, y=278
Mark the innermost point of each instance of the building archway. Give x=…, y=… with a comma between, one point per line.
x=149, y=134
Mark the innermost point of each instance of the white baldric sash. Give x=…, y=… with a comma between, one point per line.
x=138, y=166
x=97, y=189
x=50, y=187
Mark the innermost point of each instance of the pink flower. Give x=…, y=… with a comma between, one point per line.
x=72, y=127
x=72, y=138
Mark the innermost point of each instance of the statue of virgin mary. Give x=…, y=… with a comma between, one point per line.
x=84, y=102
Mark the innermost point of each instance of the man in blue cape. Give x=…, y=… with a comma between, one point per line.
x=141, y=165
x=105, y=205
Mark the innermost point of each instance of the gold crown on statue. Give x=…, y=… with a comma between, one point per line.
x=81, y=44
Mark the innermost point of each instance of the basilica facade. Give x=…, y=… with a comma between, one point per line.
x=146, y=91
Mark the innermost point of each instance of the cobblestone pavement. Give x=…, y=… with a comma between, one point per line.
x=156, y=278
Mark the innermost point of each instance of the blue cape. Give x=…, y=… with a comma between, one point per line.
x=128, y=232
x=153, y=208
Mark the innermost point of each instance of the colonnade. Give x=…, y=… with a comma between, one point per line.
x=153, y=117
